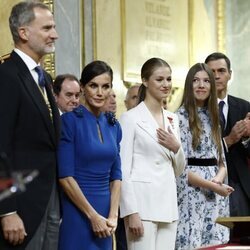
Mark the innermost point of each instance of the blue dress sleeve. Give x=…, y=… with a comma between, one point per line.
x=65, y=153
x=116, y=173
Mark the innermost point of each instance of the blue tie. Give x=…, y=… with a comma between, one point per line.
x=222, y=117
x=41, y=79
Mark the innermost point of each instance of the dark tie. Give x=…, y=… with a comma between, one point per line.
x=41, y=79
x=222, y=117
x=41, y=83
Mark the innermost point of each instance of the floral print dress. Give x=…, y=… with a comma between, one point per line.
x=199, y=208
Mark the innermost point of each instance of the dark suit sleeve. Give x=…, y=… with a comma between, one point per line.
x=247, y=146
x=237, y=154
x=9, y=103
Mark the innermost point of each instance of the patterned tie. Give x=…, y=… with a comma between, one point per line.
x=41, y=79
x=41, y=83
x=222, y=117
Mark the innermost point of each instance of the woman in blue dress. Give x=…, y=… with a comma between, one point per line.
x=202, y=192
x=89, y=166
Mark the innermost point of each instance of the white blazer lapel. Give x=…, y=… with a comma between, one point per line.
x=146, y=121
x=149, y=125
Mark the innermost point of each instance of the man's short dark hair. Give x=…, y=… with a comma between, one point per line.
x=57, y=85
x=217, y=56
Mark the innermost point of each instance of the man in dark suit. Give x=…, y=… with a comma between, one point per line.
x=235, y=131
x=29, y=131
x=67, y=91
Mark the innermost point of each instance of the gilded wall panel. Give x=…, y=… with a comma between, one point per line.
x=107, y=33
x=6, y=44
x=237, y=46
x=155, y=29
x=107, y=43
x=203, y=29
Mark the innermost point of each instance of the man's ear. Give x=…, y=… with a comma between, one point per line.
x=23, y=33
x=230, y=73
x=55, y=96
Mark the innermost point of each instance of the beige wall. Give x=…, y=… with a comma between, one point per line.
x=203, y=29
x=6, y=44
x=120, y=38
x=108, y=43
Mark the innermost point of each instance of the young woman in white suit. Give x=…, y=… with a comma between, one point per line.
x=152, y=157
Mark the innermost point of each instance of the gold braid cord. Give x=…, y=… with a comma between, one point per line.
x=4, y=57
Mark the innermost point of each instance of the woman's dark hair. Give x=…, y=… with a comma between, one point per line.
x=146, y=71
x=94, y=69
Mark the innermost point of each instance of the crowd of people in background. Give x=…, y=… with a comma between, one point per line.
x=152, y=180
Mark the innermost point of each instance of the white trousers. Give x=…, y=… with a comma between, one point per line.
x=157, y=236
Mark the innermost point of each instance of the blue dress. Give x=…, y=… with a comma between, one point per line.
x=93, y=164
x=199, y=208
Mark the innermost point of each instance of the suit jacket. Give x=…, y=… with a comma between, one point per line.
x=149, y=169
x=28, y=140
x=237, y=154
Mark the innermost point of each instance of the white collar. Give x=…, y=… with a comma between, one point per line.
x=225, y=100
x=31, y=64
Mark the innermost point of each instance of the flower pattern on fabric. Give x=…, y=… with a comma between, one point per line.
x=78, y=111
x=109, y=115
x=111, y=118
x=199, y=208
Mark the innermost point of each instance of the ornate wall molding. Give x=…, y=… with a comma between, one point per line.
x=49, y=59
x=190, y=33
x=221, y=26
x=94, y=31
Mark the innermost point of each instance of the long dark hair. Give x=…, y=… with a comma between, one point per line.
x=146, y=71
x=94, y=69
x=189, y=104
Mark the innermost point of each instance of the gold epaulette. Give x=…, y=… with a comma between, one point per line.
x=4, y=57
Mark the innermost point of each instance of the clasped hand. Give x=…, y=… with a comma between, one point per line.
x=221, y=188
x=240, y=129
x=103, y=227
x=247, y=125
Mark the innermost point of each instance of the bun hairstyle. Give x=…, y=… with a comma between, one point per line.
x=146, y=71
x=94, y=69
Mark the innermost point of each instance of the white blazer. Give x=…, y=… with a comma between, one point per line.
x=149, y=169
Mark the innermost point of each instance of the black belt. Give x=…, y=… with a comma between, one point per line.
x=202, y=162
